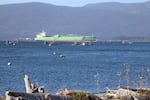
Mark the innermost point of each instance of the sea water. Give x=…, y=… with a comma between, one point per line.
x=88, y=68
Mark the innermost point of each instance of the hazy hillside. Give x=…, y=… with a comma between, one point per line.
x=135, y=8
x=105, y=20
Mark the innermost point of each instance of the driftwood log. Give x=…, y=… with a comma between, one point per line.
x=34, y=96
x=27, y=84
x=45, y=96
x=128, y=94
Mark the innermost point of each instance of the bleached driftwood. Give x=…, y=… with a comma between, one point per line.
x=35, y=96
x=27, y=84
x=32, y=88
x=133, y=94
x=120, y=93
x=141, y=97
x=46, y=96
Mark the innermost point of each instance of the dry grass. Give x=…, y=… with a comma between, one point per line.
x=1, y=98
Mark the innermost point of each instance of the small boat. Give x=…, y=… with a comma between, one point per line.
x=11, y=43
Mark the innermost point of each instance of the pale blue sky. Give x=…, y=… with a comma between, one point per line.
x=69, y=2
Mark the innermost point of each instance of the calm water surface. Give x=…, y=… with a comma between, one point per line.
x=89, y=68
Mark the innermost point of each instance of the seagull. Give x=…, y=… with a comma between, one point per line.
x=54, y=53
x=62, y=56
x=9, y=63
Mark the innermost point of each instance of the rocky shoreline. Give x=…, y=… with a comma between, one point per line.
x=120, y=94
x=34, y=92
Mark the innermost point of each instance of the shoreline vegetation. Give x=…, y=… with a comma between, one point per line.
x=34, y=92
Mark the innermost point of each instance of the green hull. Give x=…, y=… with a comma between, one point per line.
x=66, y=38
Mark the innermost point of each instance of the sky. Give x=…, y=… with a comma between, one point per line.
x=73, y=3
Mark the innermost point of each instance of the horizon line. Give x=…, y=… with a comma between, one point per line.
x=72, y=5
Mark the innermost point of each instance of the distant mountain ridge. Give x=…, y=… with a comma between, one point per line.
x=104, y=20
x=134, y=8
